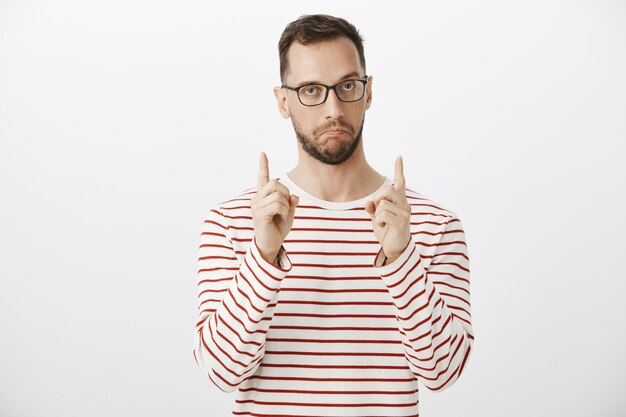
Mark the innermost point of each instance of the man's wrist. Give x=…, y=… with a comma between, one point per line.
x=269, y=256
x=388, y=261
x=277, y=261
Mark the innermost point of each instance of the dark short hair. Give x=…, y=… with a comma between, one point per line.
x=311, y=29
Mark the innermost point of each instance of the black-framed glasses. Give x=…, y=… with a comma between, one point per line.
x=315, y=94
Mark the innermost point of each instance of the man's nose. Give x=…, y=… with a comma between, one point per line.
x=333, y=107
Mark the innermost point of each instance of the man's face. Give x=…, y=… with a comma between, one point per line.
x=327, y=62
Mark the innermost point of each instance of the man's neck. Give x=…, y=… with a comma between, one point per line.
x=348, y=181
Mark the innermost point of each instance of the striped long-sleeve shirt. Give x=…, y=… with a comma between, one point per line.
x=330, y=330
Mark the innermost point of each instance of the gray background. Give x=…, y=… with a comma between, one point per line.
x=123, y=122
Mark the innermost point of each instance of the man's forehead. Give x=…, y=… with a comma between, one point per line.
x=325, y=61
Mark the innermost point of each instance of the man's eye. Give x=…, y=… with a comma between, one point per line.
x=311, y=90
x=348, y=85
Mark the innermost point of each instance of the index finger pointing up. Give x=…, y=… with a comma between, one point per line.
x=264, y=171
x=398, y=181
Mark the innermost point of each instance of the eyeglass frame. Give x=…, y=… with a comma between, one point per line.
x=328, y=88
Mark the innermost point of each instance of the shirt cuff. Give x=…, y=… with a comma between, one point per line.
x=399, y=261
x=284, y=261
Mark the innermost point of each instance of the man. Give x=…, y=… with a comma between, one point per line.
x=332, y=289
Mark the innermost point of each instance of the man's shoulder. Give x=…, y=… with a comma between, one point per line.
x=423, y=205
x=234, y=204
x=237, y=200
x=432, y=223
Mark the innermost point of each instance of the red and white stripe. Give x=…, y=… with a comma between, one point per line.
x=331, y=332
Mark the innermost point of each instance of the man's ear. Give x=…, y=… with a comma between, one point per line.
x=281, y=101
x=368, y=91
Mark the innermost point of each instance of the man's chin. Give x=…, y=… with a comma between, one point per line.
x=334, y=142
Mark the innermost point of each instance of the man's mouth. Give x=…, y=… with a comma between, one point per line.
x=335, y=132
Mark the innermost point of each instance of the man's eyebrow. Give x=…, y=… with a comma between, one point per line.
x=348, y=75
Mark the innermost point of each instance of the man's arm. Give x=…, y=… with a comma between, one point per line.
x=236, y=303
x=433, y=307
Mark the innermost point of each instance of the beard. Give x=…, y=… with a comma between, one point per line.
x=315, y=146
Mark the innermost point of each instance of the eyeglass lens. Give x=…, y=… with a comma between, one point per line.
x=349, y=90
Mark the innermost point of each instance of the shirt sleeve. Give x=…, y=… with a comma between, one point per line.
x=236, y=303
x=433, y=306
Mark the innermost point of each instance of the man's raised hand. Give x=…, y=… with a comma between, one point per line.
x=273, y=210
x=390, y=212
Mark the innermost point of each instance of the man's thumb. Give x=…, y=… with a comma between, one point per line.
x=293, y=202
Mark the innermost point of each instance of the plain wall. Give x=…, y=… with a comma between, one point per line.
x=123, y=122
